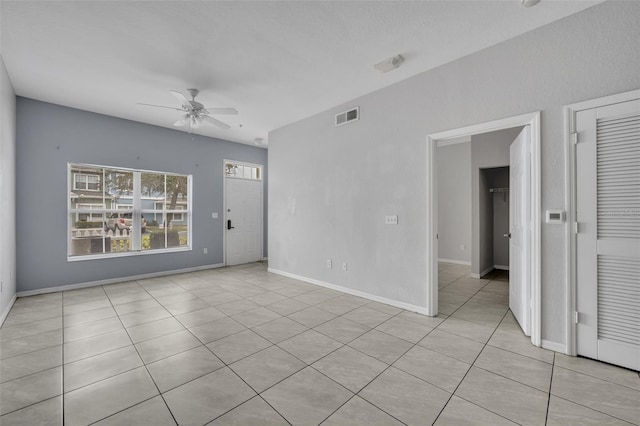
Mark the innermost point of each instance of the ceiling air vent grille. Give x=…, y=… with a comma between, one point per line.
x=348, y=116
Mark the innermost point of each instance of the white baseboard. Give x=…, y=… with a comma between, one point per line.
x=6, y=311
x=116, y=280
x=457, y=262
x=501, y=267
x=264, y=259
x=553, y=346
x=483, y=273
x=397, y=304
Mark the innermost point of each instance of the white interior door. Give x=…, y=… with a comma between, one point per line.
x=520, y=229
x=608, y=239
x=243, y=221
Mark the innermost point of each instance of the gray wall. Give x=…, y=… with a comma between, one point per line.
x=488, y=150
x=7, y=190
x=454, y=202
x=49, y=136
x=343, y=181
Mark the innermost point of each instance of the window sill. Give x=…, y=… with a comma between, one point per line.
x=126, y=254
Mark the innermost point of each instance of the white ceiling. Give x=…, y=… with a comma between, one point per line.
x=275, y=61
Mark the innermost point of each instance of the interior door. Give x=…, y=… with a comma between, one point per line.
x=607, y=159
x=243, y=221
x=520, y=229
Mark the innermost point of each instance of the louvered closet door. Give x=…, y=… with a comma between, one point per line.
x=608, y=239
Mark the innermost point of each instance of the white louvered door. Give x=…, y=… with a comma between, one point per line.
x=608, y=239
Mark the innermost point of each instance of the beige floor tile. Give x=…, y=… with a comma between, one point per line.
x=29, y=363
x=457, y=347
x=566, y=413
x=516, y=367
x=358, y=412
x=404, y=329
x=380, y=345
x=254, y=412
x=310, y=346
x=520, y=345
x=29, y=329
x=470, y=330
x=186, y=306
x=439, y=370
x=367, y=316
x=218, y=329
x=608, y=372
x=280, y=329
x=85, y=348
x=179, y=369
x=195, y=318
x=83, y=331
x=287, y=306
x=143, y=317
x=24, y=391
x=615, y=400
x=238, y=346
x=312, y=316
x=307, y=397
x=151, y=330
x=139, y=305
x=351, y=368
x=342, y=329
x=165, y=346
x=102, y=399
x=255, y=317
x=96, y=368
x=150, y=412
x=407, y=398
x=267, y=367
x=89, y=316
x=45, y=413
x=207, y=397
x=459, y=412
x=35, y=342
x=517, y=402
x=87, y=306
x=234, y=308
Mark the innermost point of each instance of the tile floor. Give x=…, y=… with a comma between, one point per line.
x=243, y=346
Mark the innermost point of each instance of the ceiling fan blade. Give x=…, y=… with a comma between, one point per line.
x=216, y=122
x=160, y=106
x=184, y=120
x=195, y=122
x=228, y=111
x=182, y=99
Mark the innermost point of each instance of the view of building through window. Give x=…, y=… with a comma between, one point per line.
x=118, y=211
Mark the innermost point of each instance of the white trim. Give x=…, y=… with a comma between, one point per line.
x=457, y=262
x=454, y=141
x=571, y=260
x=131, y=253
x=397, y=304
x=553, y=346
x=483, y=273
x=265, y=259
x=5, y=313
x=116, y=280
x=533, y=120
x=501, y=267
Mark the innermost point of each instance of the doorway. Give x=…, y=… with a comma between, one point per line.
x=243, y=213
x=529, y=290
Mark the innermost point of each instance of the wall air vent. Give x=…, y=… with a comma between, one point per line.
x=348, y=116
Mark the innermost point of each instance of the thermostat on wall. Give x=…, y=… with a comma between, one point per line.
x=555, y=217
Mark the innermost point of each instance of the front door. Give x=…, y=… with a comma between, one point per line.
x=607, y=158
x=519, y=229
x=243, y=220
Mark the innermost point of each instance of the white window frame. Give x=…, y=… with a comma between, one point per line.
x=135, y=209
x=90, y=206
x=86, y=181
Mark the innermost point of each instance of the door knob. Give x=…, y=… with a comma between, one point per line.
x=229, y=224
x=507, y=235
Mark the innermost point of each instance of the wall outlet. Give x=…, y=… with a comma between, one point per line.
x=461, y=246
x=205, y=250
x=391, y=220
x=214, y=215
x=344, y=266
x=329, y=265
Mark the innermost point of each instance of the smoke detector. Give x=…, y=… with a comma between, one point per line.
x=389, y=64
x=530, y=3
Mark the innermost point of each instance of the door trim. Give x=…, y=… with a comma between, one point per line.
x=570, y=112
x=224, y=206
x=533, y=120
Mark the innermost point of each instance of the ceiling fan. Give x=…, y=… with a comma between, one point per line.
x=194, y=113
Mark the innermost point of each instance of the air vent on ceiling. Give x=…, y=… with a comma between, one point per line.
x=347, y=116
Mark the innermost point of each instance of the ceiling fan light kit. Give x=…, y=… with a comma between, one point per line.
x=389, y=64
x=194, y=112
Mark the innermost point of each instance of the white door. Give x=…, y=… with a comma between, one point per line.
x=243, y=221
x=520, y=229
x=608, y=239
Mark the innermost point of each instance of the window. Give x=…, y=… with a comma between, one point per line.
x=242, y=171
x=86, y=182
x=127, y=212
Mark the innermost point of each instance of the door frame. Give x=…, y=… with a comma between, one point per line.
x=530, y=119
x=570, y=113
x=224, y=206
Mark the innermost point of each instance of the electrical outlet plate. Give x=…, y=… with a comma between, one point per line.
x=344, y=266
x=329, y=265
x=205, y=250
x=391, y=220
